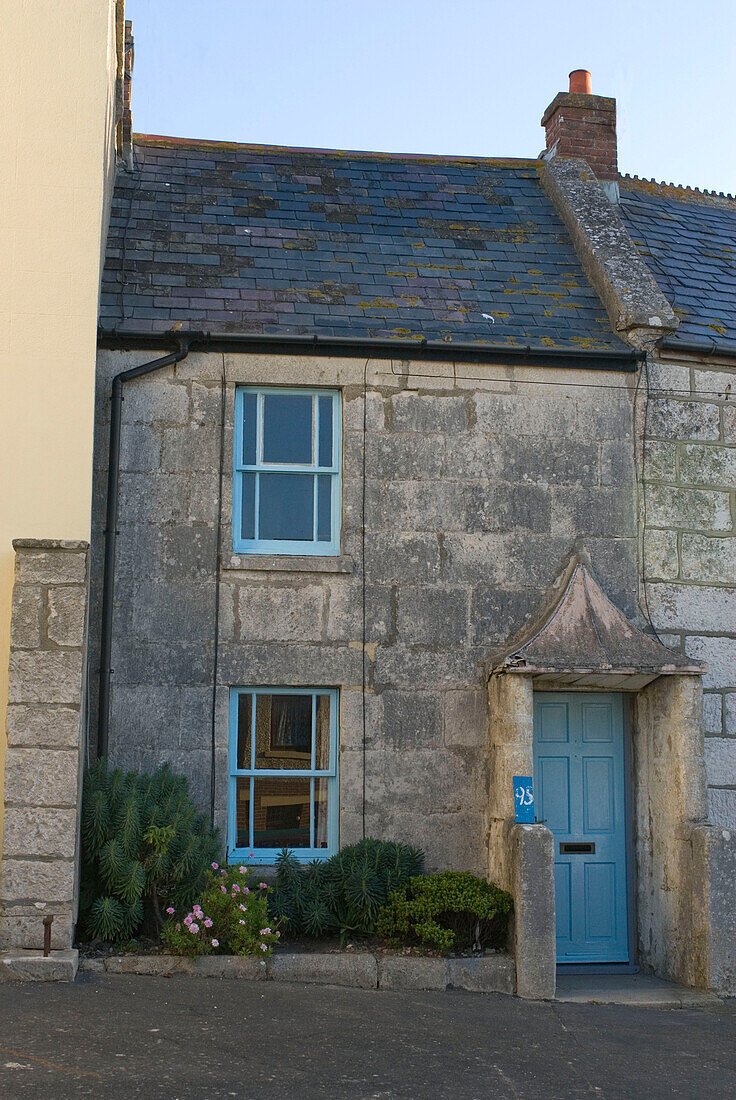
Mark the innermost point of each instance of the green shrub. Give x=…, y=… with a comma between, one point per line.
x=231, y=918
x=344, y=893
x=144, y=847
x=453, y=910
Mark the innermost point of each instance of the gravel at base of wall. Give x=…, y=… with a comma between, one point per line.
x=363, y=970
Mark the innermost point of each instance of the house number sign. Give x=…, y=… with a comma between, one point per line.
x=524, y=799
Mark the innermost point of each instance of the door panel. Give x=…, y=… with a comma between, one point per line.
x=554, y=804
x=563, y=901
x=600, y=900
x=599, y=813
x=552, y=722
x=580, y=791
x=597, y=725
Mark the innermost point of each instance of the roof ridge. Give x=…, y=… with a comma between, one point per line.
x=210, y=143
x=719, y=198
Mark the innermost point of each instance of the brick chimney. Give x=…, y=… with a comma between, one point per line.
x=580, y=124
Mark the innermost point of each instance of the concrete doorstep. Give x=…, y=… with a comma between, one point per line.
x=361, y=970
x=642, y=990
x=18, y=965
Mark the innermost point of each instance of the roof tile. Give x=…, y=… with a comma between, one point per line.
x=258, y=239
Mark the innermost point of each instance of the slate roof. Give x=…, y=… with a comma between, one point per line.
x=255, y=239
x=689, y=242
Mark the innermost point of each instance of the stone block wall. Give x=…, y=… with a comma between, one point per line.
x=480, y=484
x=689, y=522
x=44, y=755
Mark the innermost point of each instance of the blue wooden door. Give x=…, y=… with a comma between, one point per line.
x=579, y=781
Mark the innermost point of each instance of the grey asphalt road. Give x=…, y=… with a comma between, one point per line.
x=126, y=1036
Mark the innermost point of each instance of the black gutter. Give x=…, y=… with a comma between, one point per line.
x=111, y=523
x=628, y=359
x=694, y=347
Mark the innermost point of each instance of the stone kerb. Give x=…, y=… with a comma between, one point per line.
x=360, y=970
x=39, y=873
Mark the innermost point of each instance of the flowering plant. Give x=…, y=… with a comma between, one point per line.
x=231, y=918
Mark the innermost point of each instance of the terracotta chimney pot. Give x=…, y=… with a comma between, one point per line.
x=581, y=81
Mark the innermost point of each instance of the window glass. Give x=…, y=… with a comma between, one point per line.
x=286, y=508
x=283, y=732
x=324, y=507
x=325, y=431
x=281, y=813
x=322, y=733
x=244, y=735
x=320, y=813
x=287, y=428
x=283, y=772
x=242, y=812
x=250, y=405
x=249, y=506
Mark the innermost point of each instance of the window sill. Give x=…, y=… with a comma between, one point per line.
x=285, y=563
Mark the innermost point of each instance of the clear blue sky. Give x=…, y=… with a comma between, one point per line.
x=442, y=76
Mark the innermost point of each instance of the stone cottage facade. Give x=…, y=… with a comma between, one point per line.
x=413, y=476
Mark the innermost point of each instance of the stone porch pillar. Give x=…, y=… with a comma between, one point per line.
x=43, y=772
x=520, y=857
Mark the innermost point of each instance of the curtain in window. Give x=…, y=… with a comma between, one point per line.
x=291, y=722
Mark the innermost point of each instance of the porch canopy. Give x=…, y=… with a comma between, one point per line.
x=580, y=639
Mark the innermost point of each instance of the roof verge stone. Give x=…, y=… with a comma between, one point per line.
x=639, y=312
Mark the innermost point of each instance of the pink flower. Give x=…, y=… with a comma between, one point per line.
x=223, y=871
x=170, y=910
x=224, y=889
x=263, y=886
x=188, y=919
x=215, y=866
x=264, y=947
x=243, y=870
x=251, y=856
x=208, y=923
x=194, y=928
x=241, y=906
x=241, y=922
x=215, y=943
x=197, y=911
x=236, y=888
x=246, y=890
x=265, y=932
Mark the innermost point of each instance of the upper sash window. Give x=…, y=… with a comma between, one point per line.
x=286, y=489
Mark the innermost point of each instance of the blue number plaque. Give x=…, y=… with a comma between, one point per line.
x=524, y=799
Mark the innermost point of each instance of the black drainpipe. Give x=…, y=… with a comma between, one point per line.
x=111, y=523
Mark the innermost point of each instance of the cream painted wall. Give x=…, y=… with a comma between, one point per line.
x=58, y=63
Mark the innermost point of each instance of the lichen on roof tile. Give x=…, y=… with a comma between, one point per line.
x=237, y=238
x=688, y=242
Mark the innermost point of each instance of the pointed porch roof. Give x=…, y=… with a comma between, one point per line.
x=581, y=638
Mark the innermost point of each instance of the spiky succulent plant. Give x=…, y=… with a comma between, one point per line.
x=144, y=846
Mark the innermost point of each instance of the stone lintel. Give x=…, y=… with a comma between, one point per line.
x=638, y=310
